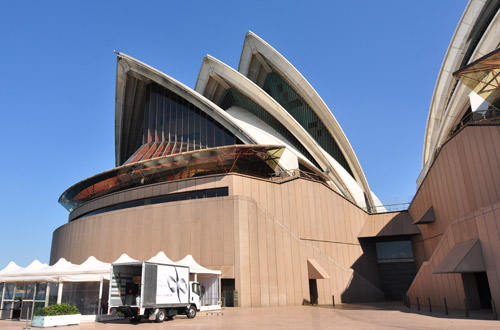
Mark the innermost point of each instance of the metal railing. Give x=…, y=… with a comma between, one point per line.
x=390, y=208
x=490, y=116
x=290, y=174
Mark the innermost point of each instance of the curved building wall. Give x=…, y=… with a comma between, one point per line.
x=262, y=234
x=463, y=188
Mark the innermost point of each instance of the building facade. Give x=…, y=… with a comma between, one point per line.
x=456, y=206
x=251, y=174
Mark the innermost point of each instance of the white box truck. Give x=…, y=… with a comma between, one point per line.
x=153, y=291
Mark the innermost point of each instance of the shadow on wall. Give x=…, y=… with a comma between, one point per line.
x=365, y=283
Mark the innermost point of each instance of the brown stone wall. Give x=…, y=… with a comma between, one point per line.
x=463, y=187
x=262, y=235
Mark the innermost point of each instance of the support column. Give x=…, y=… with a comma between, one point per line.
x=100, y=297
x=59, y=292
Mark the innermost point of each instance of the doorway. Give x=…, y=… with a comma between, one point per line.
x=227, y=288
x=483, y=289
x=477, y=290
x=313, y=291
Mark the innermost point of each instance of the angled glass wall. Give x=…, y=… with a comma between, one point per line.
x=289, y=99
x=173, y=125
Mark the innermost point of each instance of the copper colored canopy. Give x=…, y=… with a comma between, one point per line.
x=255, y=160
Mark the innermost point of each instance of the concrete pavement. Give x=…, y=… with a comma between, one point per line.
x=296, y=317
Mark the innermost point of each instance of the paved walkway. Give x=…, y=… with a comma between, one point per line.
x=296, y=317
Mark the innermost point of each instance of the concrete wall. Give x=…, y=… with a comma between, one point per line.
x=463, y=187
x=261, y=234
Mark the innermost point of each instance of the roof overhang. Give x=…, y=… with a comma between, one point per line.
x=256, y=160
x=464, y=257
x=315, y=270
x=428, y=217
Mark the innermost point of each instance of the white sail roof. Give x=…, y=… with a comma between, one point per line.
x=195, y=267
x=90, y=270
x=161, y=258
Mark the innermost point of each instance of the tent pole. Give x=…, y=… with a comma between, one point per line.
x=59, y=292
x=220, y=290
x=3, y=293
x=100, y=298
x=47, y=295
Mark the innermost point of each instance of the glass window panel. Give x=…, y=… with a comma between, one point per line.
x=9, y=290
x=153, y=111
x=26, y=310
x=159, y=116
x=394, y=250
x=19, y=292
x=203, y=130
x=39, y=304
x=54, y=288
x=7, y=309
x=25, y=290
x=1, y=293
x=175, y=110
x=219, y=136
x=84, y=295
x=284, y=94
x=29, y=291
x=210, y=133
x=41, y=290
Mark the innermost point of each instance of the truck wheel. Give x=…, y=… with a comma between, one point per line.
x=191, y=312
x=160, y=316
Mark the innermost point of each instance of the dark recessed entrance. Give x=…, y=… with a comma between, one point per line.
x=227, y=287
x=477, y=290
x=313, y=291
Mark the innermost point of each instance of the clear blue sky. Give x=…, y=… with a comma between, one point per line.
x=374, y=63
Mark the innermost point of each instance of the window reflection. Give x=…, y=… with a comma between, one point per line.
x=54, y=288
x=9, y=290
x=41, y=289
x=84, y=295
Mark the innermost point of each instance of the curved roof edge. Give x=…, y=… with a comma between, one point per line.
x=444, y=110
x=126, y=64
x=254, y=43
x=347, y=185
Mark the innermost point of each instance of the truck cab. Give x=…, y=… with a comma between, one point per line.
x=194, y=294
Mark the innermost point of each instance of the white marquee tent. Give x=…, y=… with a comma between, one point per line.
x=90, y=270
x=93, y=270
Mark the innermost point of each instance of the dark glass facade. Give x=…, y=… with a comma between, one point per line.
x=84, y=295
x=394, y=251
x=234, y=97
x=196, y=194
x=289, y=99
x=173, y=125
